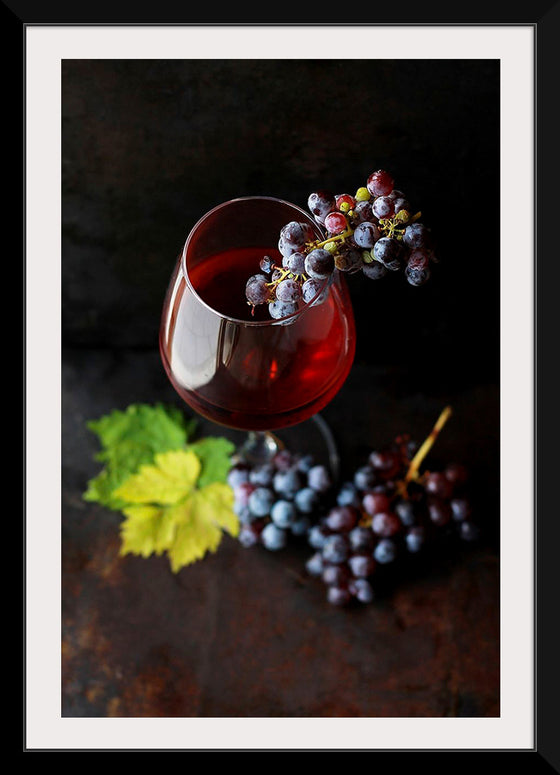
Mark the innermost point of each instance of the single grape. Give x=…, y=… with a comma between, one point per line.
x=287, y=483
x=320, y=204
x=380, y=183
x=365, y=478
x=456, y=473
x=362, y=590
x=336, y=575
x=273, y=537
x=282, y=309
x=416, y=236
x=348, y=495
x=460, y=509
x=374, y=271
x=342, y=519
x=257, y=290
x=335, y=549
x=288, y=290
x=362, y=212
x=295, y=263
x=386, y=462
x=361, y=539
x=237, y=474
x=293, y=233
x=283, y=513
x=439, y=511
x=406, y=513
x=402, y=204
x=311, y=288
x=415, y=538
x=283, y=460
x=469, y=531
x=338, y=596
x=362, y=194
x=249, y=535
x=317, y=536
x=437, y=484
x=385, y=524
x=318, y=478
x=361, y=565
x=417, y=270
x=262, y=475
x=385, y=551
x=388, y=251
x=260, y=501
x=266, y=264
x=242, y=492
x=336, y=223
x=348, y=259
x=305, y=463
x=243, y=513
x=306, y=500
x=375, y=503
x=383, y=207
x=366, y=234
x=319, y=263
x=315, y=565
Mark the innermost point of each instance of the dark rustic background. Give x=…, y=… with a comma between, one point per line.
x=148, y=147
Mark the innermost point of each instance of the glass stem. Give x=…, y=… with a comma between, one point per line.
x=260, y=447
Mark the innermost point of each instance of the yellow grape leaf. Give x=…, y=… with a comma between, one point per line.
x=171, y=477
x=165, y=512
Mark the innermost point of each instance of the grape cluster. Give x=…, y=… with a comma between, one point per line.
x=278, y=499
x=374, y=231
x=381, y=516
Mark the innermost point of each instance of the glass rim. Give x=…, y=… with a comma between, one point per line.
x=240, y=321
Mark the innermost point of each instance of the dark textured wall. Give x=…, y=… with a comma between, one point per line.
x=149, y=146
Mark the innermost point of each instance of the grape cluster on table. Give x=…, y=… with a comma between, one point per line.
x=358, y=528
x=373, y=231
x=278, y=499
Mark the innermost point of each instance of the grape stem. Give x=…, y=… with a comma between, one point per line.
x=418, y=458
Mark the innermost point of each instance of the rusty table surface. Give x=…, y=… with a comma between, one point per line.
x=246, y=632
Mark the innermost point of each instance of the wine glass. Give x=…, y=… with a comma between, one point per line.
x=235, y=365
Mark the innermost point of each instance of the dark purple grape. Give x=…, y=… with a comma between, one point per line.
x=417, y=270
x=361, y=539
x=361, y=565
x=283, y=513
x=293, y=233
x=383, y=207
x=306, y=500
x=249, y=534
x=438, y=484
x=238, y=474
x=266, y=264
x=385, y=462
x=374, y=270
x=287, y=482
x=335, y=549
x=339, y=596
x=311, y=288
x=348, y=259
x=262, y=475
x=282, y=309
x=320, y=204
x=402, y=204
x=342, y=519
x=439, y=511
x=385, y=524
x=318, y=478
x=385, y=551
x=319, y=263
x=469, y=531
x=415, y=538
x=315, y=565
x=405, y=511
x=317, y=536
x=366, y=235
x=375, y=502
x=273, y=538
x=416, y=235
x=257, y=290
x=362, y=590
x=283, y=460
x=389, y=252
x=460, y=509
x=365, y=478
x=456, y=473
x=288, y=290
x=295, y=263
x=336, y=575
x=361, y=212
x=260, y=501
x=348, y=495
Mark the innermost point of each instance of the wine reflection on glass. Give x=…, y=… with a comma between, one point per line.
x=232, y=363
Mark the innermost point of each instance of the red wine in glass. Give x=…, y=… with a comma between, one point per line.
x=233, y=364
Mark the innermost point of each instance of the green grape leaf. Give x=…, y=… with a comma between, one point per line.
x=166, y=512
x=129, y=439
x=214, y=453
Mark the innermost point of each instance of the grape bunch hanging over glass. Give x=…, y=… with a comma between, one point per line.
x=373, y=231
